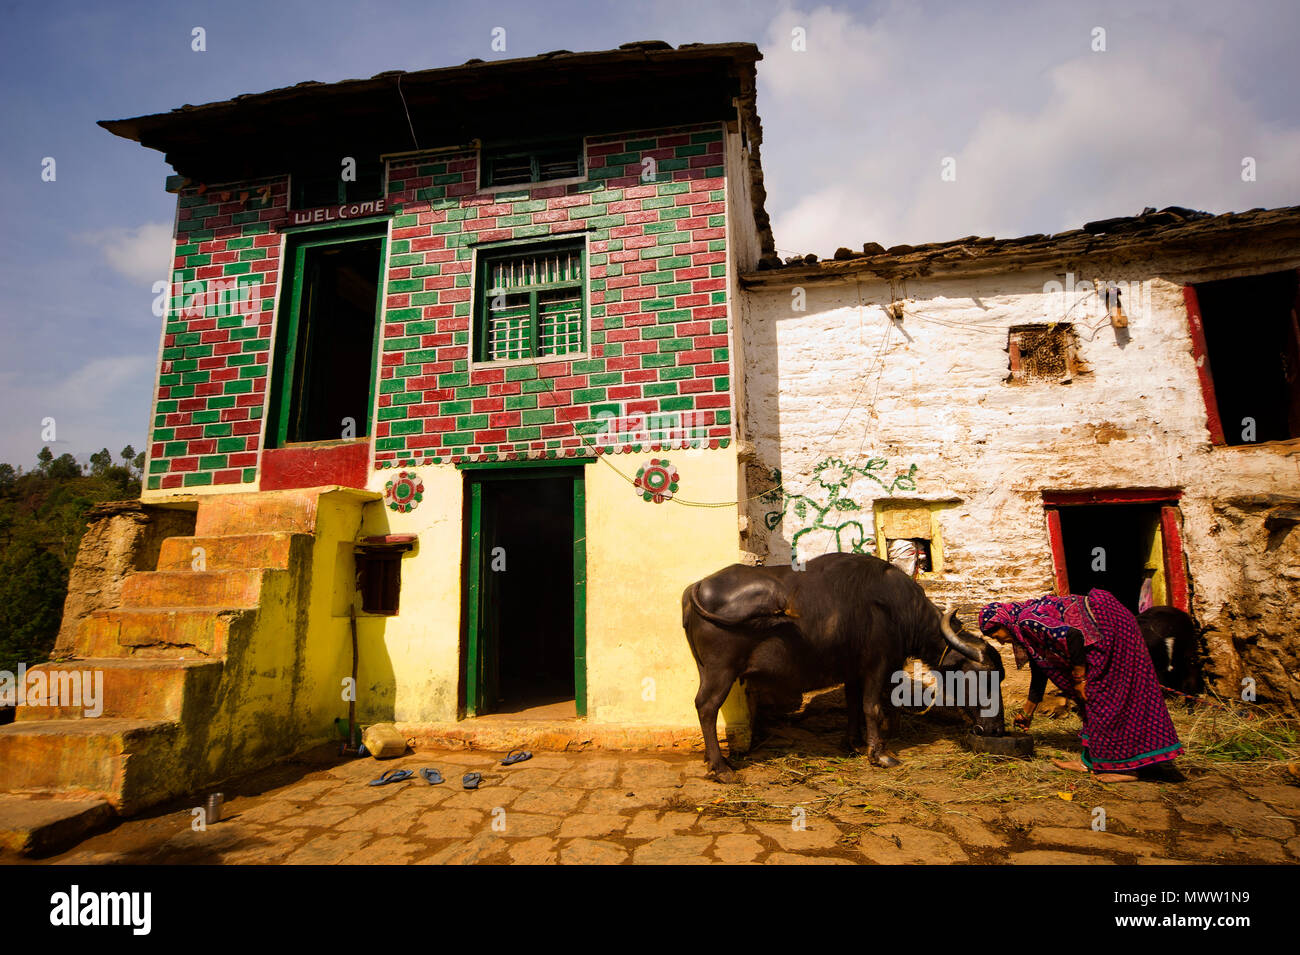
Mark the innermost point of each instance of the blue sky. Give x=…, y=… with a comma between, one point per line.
x=1046, y=132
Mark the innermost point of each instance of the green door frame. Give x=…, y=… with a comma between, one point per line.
x=287, y=352
x=476, y=658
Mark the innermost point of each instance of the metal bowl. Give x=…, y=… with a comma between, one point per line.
x=1012, y=744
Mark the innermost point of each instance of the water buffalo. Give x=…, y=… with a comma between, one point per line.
x=845, y=618
x=1170, y=636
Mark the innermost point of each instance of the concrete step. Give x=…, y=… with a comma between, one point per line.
x=121, y=688
x=235, y=589
x=162, y=633
x=124, y=762
x=229, y=514
x=271, y=550
x=41, y=824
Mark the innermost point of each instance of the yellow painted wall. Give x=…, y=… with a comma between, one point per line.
x=640, y=556
x=410, y=662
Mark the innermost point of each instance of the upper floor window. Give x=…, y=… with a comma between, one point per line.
x=328, y=184
x=539, y=162
x=1247, y=334
x=531, y=303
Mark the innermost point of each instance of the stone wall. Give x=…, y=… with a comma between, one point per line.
x=121, y=537
x=851, y=406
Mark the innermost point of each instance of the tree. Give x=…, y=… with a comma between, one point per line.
x=100, y=461
x=33, y=585
x=64, y=468
x=42, y=520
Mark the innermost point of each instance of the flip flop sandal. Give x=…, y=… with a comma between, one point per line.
x=516, y=756
x=392, y=776
x=471, y=780
x=431, y=776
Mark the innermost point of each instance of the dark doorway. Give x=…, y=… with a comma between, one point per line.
x=327, y=355
x=1116, y=547
x=1252, y=340
x=525, y=651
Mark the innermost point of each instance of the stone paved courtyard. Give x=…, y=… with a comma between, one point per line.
x=595, y=807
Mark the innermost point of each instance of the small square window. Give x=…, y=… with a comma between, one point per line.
x=519, y=165
x=1042, y=352
x=907, y=535
x=531, y=304
x=379, y=573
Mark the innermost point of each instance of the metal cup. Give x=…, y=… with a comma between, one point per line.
x=214, y=808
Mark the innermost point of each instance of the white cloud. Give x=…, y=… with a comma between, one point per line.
x=1046, y=133
x=103, y=403
x=142, y=254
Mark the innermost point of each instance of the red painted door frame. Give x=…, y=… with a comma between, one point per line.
x=1175, y=566
x=1058, y=550
x=1179, y=589
x=1201, y=354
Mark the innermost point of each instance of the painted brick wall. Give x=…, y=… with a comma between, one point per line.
x=657, y=303
x=658, y=334
x=211, y=387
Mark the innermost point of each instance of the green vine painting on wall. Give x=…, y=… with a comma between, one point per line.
x=838, y=513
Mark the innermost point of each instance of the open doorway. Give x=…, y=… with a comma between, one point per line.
x=1247, y=331
x=1126, y=542
x=525, y=594
x=326, y=355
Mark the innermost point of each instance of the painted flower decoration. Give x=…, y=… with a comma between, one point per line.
x=832, y=473
x=657, y=480
x=404, y=492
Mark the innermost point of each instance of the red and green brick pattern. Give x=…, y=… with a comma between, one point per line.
x=658, y=340
x=217, y=340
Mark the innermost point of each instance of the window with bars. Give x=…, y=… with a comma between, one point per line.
x=531, y=303
x=1042, y=352
x=518, y=165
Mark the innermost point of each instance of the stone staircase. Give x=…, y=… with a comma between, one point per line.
x=201, y=668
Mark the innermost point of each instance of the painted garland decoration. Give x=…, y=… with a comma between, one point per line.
x=404, y=492
x=656, y=481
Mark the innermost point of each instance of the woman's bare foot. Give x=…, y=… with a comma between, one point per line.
x=1073, y=765
x=1115, y=778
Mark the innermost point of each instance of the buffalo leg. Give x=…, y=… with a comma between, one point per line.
x=715, y=684
x=874, y=690
x=889, y=720
x=720, y=657
x=853, y=713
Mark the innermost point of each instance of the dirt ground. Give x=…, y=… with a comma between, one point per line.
x=799, y=801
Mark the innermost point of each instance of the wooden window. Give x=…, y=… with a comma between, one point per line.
x=531, y=303
x=379, y=572
x=538, y=163
x=1246, y=342
x=327, y=344
x=1042, y=352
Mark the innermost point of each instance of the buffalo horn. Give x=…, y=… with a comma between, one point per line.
x=967, y=648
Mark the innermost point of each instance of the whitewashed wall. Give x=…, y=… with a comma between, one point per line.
x=842, y=381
